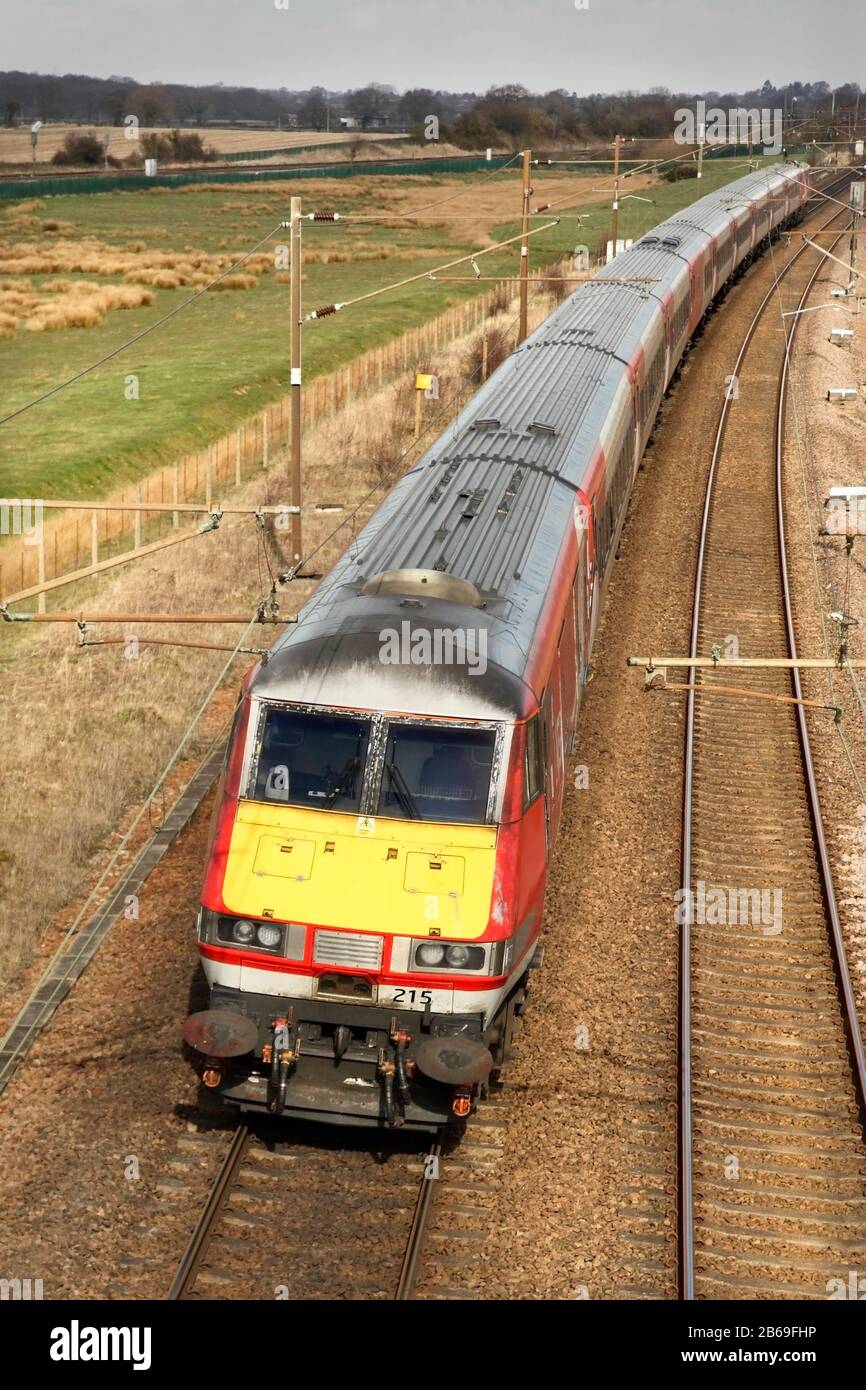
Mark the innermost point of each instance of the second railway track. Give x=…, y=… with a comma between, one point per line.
x=772, y=1161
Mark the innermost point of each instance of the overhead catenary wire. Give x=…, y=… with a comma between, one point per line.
x=328, y=309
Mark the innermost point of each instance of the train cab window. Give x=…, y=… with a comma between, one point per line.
x=313, y=760
x=533, y=778
x=440, y=774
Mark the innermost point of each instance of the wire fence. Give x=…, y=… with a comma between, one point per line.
x=17, y=188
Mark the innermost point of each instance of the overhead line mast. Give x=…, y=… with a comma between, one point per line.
x=523, y=325
x=295, y=272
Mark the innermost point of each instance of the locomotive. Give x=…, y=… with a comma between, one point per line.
x=395, y=773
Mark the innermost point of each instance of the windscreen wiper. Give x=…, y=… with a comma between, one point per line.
x=404, y=796
x=342, y=782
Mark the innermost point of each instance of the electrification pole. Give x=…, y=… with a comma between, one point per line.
x=524, y=250
x=295, y=271
x=614, y=222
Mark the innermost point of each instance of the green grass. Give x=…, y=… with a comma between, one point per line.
x=227, y=355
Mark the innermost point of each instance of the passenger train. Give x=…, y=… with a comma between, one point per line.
x=395, y=774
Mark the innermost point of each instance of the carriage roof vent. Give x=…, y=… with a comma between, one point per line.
x=487, y=422
x=649, y=241
x=430, y=583
x=539, y=427
x=671, y=241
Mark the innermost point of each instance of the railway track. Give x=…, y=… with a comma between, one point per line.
x=772, y=1159
x=298, y=1214
x=330, y=1218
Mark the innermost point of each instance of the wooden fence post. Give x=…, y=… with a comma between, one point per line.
x=40, y=573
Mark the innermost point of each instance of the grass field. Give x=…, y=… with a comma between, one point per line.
x=227, y=355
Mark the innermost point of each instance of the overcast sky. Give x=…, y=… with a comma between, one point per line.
x=461, y=45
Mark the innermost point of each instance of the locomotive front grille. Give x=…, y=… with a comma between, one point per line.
x=345, y=948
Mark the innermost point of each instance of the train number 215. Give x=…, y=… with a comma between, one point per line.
x=412, y=996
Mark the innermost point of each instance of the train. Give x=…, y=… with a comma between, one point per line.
x=395, y=773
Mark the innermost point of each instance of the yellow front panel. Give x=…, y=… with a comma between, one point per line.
x=368, y=873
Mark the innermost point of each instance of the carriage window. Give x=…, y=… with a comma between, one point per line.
x=440, y=774
x=313, y=760
x=533, y=779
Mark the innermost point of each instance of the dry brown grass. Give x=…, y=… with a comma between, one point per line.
x=8, y=324
x=17, y=300
x=89, y=256
x=23, y=222
x=236, y=282
x=67, y=304
x=160, y=279
x=85, y=306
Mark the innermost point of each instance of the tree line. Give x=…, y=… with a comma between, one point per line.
x=504, y=116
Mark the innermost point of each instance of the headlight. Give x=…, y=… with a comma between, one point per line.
x=268, y=935
x=438, y=955
x=430, y=953
x=281, y=938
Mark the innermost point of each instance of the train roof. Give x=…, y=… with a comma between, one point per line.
x=471, y=674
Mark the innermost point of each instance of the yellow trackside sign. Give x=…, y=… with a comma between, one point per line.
x=423, y=381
